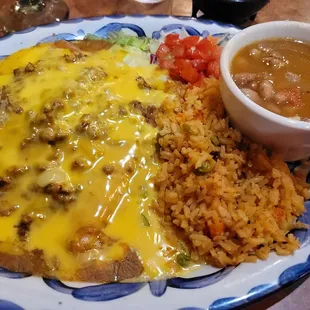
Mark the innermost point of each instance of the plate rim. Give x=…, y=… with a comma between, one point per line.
x=276, y=286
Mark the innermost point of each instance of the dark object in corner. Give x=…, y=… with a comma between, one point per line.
x=229, y=11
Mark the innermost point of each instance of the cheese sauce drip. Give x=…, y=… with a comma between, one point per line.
x=101, y=150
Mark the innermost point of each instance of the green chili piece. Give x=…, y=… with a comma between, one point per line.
x=183, y=260
x=145, y=221
x=203, y=169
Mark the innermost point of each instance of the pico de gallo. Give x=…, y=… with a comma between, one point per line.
x=190, y=59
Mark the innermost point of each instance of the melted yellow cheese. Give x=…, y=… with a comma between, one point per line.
x=114, y=203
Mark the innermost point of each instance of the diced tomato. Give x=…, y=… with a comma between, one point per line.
x=172, y=40
x=189, y=53
x=166, y=63
x=189, y=73
x=216, y=53
x=193, y=53
x=278, y=214
x=178, y=51
x=199, y=64
x=190, y=41
x=162, y=51
x=213, y=69
x=191, y=59
x=205, y=46
x=216, y=229
x=175, y=75
x=181, y=63
x=199, y=115
x=207, y=57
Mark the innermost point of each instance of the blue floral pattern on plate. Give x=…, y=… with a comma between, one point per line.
x=8, y=305
x=12, y=275
x=211, y=289
x=105, y=292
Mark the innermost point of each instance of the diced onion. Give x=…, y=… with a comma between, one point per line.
x=53, y=175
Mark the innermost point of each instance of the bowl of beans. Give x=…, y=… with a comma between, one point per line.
x=265, y=85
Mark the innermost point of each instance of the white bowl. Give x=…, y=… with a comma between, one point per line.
x=289, y=137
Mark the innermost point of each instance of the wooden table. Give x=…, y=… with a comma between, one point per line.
x=295, y=297
x=275, y=10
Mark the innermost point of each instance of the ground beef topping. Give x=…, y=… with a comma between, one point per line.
x=148, y=112
x=142, y=84
x=63, y=194
x=92, y=127
x=6, y=208
x=7, y=105
x=74, y=57
x=23, y=227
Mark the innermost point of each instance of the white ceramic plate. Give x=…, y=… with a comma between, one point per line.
x=209, y=288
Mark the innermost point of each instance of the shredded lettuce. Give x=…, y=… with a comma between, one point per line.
x=90, y=36
x=126, y=40
x=120, y=38
x=136, y=57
